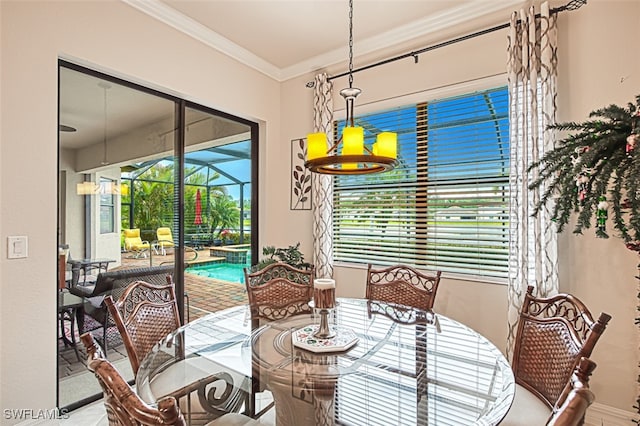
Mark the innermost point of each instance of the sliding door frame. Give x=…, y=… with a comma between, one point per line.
x=179, y=159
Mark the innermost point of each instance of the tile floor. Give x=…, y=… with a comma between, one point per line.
x=94, y=415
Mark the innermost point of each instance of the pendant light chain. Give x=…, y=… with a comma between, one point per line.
x=105, y=86
x=350, y=43
x=104, y=160
x=349, y=155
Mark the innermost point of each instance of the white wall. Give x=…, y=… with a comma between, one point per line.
x=596, y=50
x=74, y=205
x=107, y=245
x=120, y=40
x=594, y=59
x=2, y=204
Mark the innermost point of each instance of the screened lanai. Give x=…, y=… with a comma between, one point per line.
x=217, y=200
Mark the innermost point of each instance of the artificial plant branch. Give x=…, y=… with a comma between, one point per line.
x=598, y=157
x=598, y=162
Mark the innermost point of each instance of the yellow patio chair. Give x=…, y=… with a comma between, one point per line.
x=133, y=243
x=165, y=239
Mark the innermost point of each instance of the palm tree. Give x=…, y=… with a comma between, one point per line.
x=223, y=213
x=153, y=198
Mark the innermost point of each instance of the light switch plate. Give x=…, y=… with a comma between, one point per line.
x=17, y=247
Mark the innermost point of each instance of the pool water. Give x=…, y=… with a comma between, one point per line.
x=233, y=272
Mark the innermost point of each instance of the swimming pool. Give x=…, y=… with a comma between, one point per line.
x=233, y=272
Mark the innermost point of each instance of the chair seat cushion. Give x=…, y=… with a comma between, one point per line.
x=82, y=291
x=526, y=410
x=233, y=419
x=100, y=288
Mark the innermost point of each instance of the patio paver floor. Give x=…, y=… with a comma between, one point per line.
x=205, y=295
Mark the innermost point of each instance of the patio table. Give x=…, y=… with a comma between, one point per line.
x=70, y=307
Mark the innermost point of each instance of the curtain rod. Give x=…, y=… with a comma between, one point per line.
x=572, y=5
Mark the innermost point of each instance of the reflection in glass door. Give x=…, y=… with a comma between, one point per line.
x=144, y=184
x=217, y=206
x=107, y=129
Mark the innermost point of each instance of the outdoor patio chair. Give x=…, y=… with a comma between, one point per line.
x=165, y=239
x=123, y=405
x=115, y=283
x=553, y=335
x=403, y=285
x=134, y=243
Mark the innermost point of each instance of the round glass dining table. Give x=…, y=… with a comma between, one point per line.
x=387, y=365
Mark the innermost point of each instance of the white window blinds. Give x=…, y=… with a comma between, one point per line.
x=446, y=206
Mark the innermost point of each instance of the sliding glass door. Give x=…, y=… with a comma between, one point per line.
x=150, y=183
x=217, y=224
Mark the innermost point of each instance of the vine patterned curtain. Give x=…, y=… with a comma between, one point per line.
x=323, y=184
x=532, y=78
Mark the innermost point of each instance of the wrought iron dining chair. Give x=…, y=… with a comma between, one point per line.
x=553, y=335
x=276, y=291
x=144, y=314
x=124, y=407
x=572, y=406
x=402, y=284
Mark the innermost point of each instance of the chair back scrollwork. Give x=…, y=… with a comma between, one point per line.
x=279, y=290
x=402, y=284
x=144, y=314
x=401, y=314
x=553, y=334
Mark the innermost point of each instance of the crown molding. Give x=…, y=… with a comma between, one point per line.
x=427, y=26
x=192, y=28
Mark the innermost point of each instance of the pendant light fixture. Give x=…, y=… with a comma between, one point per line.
x=349, y=155
x=93, y=188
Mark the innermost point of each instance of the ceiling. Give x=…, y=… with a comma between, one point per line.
x=280, y=38
x=88, y=102
x=288, y=38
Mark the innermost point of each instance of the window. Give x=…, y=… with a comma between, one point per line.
x=446, y=206
x=107, y=206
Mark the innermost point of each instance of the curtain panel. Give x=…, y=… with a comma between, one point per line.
x=532, y=81
x=323, y=184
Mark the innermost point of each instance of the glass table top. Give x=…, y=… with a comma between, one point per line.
x=407, y=367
